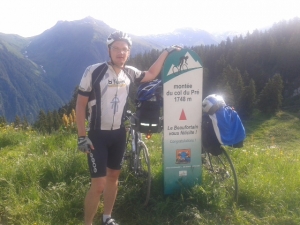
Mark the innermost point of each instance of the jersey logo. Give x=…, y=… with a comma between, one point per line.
x=114, y=82
x=114, y=104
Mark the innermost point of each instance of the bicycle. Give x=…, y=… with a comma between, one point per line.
x=217, y=163
x=222, y=172
x=137, y=156
x=183, y=65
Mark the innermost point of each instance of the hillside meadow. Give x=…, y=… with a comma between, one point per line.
x=44, y=178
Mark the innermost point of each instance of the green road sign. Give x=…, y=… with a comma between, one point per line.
x=182, y=77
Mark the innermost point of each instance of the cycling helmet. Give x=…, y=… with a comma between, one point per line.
x=149, y=89
x=212, y=103
x=118, y=36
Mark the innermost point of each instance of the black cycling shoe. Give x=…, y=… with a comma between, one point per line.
x=110, y=221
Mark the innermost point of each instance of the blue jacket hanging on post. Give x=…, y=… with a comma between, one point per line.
x=228, y=127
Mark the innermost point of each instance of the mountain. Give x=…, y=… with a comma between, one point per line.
x=23, y=91
x=185, y=37
x=65, y=50
x=41, y=72
x=219, y=37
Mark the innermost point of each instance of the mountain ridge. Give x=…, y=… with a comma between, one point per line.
x=42, y=72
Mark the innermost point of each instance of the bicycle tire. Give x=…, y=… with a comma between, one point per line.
x=143, y=169
x=137, y=163
x=224, y=179
x=184, y=67
x=128, y=157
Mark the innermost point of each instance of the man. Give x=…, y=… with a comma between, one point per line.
x=104, y=87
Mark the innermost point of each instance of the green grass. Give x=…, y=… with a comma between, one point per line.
x=43, y=180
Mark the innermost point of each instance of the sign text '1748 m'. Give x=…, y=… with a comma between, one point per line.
x=183, y=99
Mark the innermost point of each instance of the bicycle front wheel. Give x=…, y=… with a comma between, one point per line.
x=223, y=178
x=143, y=170
x=175, y=69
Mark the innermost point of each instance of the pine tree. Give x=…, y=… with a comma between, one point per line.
x=56, y=120
x=278, y=88
x=270, y=98
x=41, y=122
x=49, y=120
x=17, y=122
x=248, y=99
x=231, y=84
x=25, y=122
x=226, y=92
x=2, y=121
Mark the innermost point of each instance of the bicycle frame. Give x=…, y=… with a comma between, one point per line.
x=137, y=154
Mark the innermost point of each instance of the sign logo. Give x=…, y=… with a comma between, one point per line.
x=182, y=116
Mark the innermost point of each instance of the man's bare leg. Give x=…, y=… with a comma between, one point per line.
x=110, y=191
x=92, y=199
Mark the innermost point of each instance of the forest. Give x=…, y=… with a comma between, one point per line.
x=256, y=71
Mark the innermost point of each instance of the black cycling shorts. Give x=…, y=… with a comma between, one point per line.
x=109, y=146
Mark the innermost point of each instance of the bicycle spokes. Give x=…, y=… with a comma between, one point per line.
x=222, y=175
x=137, y=157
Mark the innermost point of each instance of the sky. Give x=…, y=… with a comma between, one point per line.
x=143, y=17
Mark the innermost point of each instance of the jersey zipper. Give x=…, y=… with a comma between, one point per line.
x=116, y=95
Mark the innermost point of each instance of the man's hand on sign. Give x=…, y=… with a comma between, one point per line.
x=173, y=48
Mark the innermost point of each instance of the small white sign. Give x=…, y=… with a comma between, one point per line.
x=183, y=173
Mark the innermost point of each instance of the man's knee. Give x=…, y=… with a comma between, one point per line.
x=112, y=175
x=98, y=185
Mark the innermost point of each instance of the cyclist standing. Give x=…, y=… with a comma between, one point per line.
x=104, y=88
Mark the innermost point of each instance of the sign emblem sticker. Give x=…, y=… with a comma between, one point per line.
x=183, y=156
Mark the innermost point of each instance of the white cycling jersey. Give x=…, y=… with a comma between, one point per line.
x=107, y=94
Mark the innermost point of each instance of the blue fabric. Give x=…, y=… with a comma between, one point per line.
x=228, y=126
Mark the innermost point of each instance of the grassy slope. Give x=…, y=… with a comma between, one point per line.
x=43, y=180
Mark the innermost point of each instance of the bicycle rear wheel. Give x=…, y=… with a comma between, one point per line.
x=143, y=170
x=223, y=176
x=184, y=67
